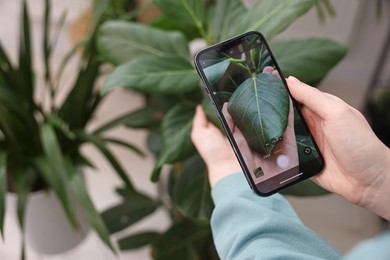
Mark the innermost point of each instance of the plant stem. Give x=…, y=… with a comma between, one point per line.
x=238, y=61
x=201, y=30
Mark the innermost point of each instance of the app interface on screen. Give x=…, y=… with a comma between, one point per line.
x=256, y=105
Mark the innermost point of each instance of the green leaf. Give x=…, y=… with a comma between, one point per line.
x=176, y=141
x=310, y=59
x=80, y=103
x=53, y=170
x=154, y=141
x=23, y=183
x=147, y=117
x=25, y=54
x=11, y=75
x=61, y=125
x=183, y=11
x=320, y=12
x=3, y=189
x=83, y=161
x=82, y=100
x=94, y=218
x=125, y=193
x=137, y=240
x=120, y=42
x=305, y=188
x=259, y=108
x=8, y=126
x=328, y=8
x=191, y=194
x=46, y=45
x=180, y=241
x=125, y=144
x=136, y=207
x=17, y=122
x=151, y=74
x=227, y=14
x=69, y=55
x=100, y=144
x=58, y=27
x=211, y=113
x=15, y=104
x=270, y=17
x=164, y=23
x=5, y=61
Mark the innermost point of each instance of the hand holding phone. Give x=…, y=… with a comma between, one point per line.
x=262, y=122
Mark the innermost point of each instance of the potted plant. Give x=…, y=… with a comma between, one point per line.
x=40, y=139
x=154, y=59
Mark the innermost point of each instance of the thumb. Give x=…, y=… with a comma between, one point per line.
x=312, y=98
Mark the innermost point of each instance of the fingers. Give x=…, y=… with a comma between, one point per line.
x=290, y=113
x=198, y=123
x=271, y=70
x=201, y=122
x=200, y=118
x=318, y=102
x=268, y=70
x=276, y=74
x=228, y=118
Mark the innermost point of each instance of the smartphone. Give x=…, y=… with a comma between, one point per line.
x=261, y=119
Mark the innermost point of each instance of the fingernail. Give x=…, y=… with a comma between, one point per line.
x=294, y=80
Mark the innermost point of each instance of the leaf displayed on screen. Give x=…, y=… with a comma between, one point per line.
x=259, y=108
x=306, y=148
x=216, y=71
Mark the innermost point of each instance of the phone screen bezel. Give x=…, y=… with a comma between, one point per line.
x=284, y=179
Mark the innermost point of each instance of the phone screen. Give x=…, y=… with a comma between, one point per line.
x=264, y=126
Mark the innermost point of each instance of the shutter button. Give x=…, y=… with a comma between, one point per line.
x=282, y=161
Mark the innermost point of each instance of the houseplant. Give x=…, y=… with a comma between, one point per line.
x=154, y=59
x=40, y=138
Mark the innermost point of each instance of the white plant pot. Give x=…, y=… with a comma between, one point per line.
x=47, y=229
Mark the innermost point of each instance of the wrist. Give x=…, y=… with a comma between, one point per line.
x=220, y=170
x=377, y=196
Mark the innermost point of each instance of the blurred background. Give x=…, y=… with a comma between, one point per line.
x=357, y=78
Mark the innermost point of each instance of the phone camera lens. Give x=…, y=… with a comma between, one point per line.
x=307, y=150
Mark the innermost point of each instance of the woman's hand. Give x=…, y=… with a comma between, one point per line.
x=357, y=163
x=213, y=147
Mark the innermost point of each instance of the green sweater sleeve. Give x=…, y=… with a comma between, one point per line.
x=247, y=226
x=377, y=248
